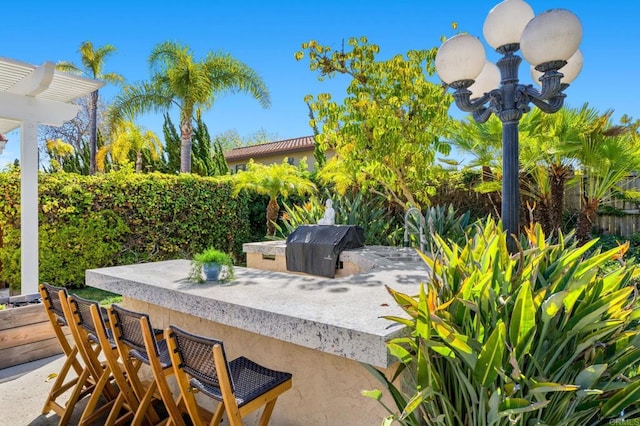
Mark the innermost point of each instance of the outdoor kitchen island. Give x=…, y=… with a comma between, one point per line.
x=318, y=329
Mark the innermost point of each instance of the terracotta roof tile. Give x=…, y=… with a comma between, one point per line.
x=286, y=146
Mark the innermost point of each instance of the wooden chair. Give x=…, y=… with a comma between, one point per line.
x=241, y=386
x=93, y=339
x=136, y=342
x=81, y=384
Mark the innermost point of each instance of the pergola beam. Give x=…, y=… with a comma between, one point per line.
x=35, y=82
x=28, y=108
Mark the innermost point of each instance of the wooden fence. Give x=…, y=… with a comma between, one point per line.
x=627, y=220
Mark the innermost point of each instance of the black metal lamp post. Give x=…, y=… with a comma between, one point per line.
x=549, y=42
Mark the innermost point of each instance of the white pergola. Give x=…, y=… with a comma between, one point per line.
x=31, y=95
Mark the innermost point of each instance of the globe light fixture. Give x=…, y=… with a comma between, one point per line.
x=549, y=42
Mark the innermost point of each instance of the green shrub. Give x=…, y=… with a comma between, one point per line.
x=120, y=218
x=380, y=224
x=257, y=225
x=440, y=220
x=459, y=188
x=537, y=338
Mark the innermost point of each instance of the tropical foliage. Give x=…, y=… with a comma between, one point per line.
x=443, y=221
x=541, y=337
x=275, y=180
x=390, y=126
x=178, y=79
x=207, y=156
x=129, y=140
x=483, y=142
x=381, y=225
x=93, y=66
x=608, y=155
x=573, y=146
x=550, y=152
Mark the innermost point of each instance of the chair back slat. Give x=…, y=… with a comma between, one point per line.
x=52, y=299
x=128, y=323
x=82, y=308
x=196, y=355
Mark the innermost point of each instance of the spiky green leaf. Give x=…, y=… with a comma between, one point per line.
x=491, y=356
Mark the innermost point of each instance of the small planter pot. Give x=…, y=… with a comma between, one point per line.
x=211, y=271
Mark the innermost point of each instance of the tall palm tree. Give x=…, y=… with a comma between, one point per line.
x=177, y=79
x=275, y=180
x=93, y=63
x=126, y=139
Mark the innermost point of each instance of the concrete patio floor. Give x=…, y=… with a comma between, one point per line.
x=23, y=390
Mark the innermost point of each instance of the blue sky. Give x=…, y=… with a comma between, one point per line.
x=266, y=34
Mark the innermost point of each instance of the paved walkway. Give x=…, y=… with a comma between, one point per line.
x=23, y=390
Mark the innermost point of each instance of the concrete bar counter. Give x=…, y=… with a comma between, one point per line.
x=318, y=329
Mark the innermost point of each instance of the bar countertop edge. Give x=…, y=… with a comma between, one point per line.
x=341, y=316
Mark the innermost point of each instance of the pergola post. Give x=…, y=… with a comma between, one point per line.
x=29, y=207
x=32, y=96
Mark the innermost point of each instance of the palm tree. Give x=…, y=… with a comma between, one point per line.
x=608, y=154
x=483, y=141
x=93, y=63
x=128, y=138
x=274, y=180
x=177, y=79
x=554, y=141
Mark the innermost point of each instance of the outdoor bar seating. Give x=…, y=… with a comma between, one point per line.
x=240, y=386
x=137, y=343
x=321, y=330
x=81, y=384
x=93, y=338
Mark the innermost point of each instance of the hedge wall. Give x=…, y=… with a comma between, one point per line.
x=119, y=218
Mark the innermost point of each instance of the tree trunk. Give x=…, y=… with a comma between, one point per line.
x=186, y=134
x=272, y=216
x=542, y=215
x=586, y=220
x=93, y=131
x=487, y=176
x=558, y=176
x=139, y=162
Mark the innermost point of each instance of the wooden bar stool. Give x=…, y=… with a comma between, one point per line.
x=52, y=298
x=241, y=386
x=136, y=341
x=94, y=342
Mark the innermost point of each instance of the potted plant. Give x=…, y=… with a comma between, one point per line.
x=212, y=263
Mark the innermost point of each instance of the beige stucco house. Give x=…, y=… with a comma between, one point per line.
x=273, y=152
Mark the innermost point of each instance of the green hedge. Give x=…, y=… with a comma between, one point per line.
x=119, y=218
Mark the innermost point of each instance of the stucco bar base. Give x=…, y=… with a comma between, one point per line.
x=319, y=329
x=326, y=388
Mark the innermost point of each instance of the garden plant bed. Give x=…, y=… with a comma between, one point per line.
x=25, y=332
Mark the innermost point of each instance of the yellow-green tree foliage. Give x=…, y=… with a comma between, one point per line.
x=389, y=127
